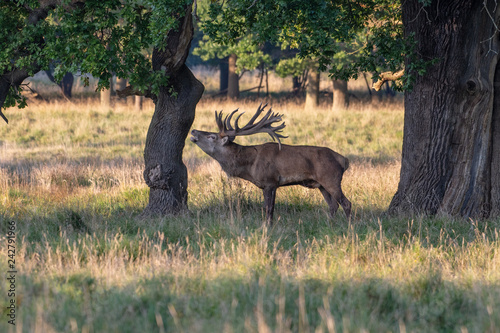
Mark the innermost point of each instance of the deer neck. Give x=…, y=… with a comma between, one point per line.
x=236, y=159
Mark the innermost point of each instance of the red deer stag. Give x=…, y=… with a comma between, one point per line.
x=272, y=165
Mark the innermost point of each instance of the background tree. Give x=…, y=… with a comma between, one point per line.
x=296, y=67
x=145, y=41
x=243, y=55
x=312, y=87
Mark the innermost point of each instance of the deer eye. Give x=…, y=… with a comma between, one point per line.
x=212, y=137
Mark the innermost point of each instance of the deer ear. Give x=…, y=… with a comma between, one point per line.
x=224, y=140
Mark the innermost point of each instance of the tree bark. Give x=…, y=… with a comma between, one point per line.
x=67, y=84
x=495, y=148
x=312, y=89
x=164, y=172
x=233, y=88
x=4, y=91
x=450, y=159
x=340, y=95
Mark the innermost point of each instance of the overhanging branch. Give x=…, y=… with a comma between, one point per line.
x=11, y=79
x=132, y=91
x=387, y=76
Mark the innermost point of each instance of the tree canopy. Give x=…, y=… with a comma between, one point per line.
x=117, y=37
x=92, y=37
x=249, y=54
x=321, y=30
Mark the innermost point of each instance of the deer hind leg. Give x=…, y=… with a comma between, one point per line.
x=333, y=197
x=332, y=203
x=346, y=205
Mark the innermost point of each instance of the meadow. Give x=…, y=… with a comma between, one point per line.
x=71, y=183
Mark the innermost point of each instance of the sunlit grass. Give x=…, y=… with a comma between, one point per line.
x=71, y=179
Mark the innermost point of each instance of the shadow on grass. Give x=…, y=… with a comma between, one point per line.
x=102, y=213
x=228, y=213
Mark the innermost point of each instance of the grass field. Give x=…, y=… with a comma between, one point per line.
x=71, y=181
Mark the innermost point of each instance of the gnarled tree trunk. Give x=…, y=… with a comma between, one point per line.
x=165, y=173
x=451, y=143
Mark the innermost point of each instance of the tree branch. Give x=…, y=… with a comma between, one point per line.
x=11, y=79
x=387, y=76
x=132, y=91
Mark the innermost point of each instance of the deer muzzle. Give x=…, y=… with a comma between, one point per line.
x=194, y=136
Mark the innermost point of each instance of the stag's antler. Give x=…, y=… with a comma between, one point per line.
x=262, y=126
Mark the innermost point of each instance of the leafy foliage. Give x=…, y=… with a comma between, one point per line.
x=249, y=54
x=346, y=37
x=101, y=38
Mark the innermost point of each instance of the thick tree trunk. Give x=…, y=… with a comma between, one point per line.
x=165, y=173
x=105, y=97
x=495, y=148
x=450, y=162
x=312, y=89
x=4, y=91
x=233, y=88
x=67, y=84
x=340, y=95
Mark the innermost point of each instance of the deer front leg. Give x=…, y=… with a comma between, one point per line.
x=269, y=198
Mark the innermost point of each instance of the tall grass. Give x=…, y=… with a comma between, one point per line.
x=71, y=179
